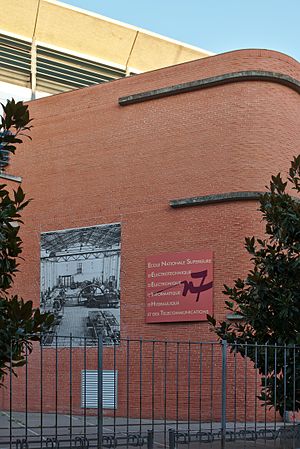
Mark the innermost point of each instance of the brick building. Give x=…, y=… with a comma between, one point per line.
x=158, y=153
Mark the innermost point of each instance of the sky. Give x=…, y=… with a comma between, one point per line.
x=214, y=25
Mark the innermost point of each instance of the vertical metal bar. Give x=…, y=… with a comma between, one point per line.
x=294, y=385
x=56, y=387
x=141, y=382
x=189, y=387
x=41, y=392
x=200, y=388
x=245, y=387
x=153, y=384
x=127, y=387
x=284, y=386
x=224, y=395
x=165, y=392
x=177, y=383
x=26, y=393
x=255, y=388
x=10, y=395
x=266, y=384
x=275, y=385
x=100, y=392
x=71, y=390
x=115, y=386
x=211, y=387
x=84, y=391
x=234, y=388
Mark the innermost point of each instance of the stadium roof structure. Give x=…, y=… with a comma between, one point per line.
x=51, y=47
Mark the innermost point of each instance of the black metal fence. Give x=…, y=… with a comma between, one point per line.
x=152, y=393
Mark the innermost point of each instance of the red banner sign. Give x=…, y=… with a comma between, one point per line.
x=179, y=286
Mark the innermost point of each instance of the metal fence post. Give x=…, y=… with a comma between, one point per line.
x=171, y=439
x=100, y=392
x=224, y=372
x=150, y=439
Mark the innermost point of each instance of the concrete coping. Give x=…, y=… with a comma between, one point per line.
x=215, y=198
x=227, y=78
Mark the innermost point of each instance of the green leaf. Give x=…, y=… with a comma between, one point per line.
x=211, y=320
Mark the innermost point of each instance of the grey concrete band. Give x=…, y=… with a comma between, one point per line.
x=227, y=78
x=217, y=198
x=10, y=177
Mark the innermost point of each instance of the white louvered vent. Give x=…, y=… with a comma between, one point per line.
x=89, y=394
x=56, y=71
x=15, y=60
x=71, y=71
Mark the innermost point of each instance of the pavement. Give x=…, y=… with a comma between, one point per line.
x=36, y=431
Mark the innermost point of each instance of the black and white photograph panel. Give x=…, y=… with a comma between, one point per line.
x=80, y=284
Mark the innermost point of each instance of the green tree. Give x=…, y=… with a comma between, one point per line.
x=20, y=323
x=268, y=300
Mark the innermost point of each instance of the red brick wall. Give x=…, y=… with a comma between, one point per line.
x=92, y=162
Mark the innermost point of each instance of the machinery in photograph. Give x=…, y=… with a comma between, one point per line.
x=103, y=323
x=80, y=283
x=98, y=295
